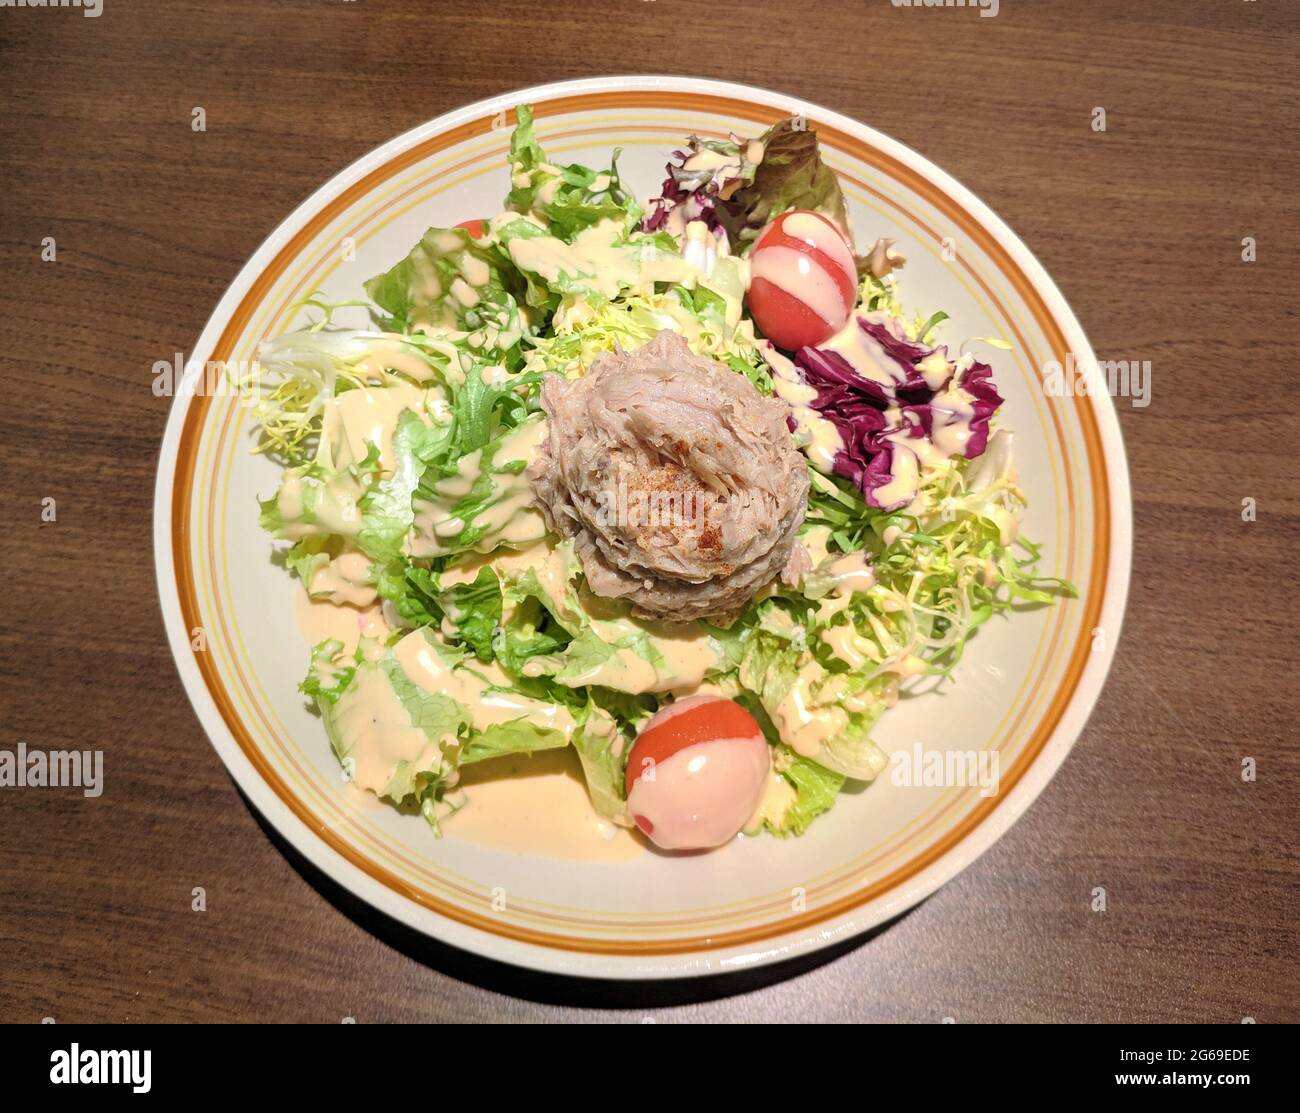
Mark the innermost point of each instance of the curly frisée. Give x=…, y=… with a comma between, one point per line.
x=680, y=485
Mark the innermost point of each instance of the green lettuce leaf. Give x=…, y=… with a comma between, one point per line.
x=805, y=791
x=473, y=611
x=310, y=555
x=584, y=653
x=298, y=373
x=817, y=788
x=341, y=688
x=439, y=715
x=568, y=198
x=453, y=501
x=519, y=736
x=320, y=499
x=791, y=175
x=386, y=513
x=362, y=695
x=328, y=675
x=790, y=684
x=603, y=749
x=450, y=280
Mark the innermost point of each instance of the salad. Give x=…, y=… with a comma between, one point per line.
x=680, y=485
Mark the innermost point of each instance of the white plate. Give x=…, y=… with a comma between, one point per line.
x=1025, y=687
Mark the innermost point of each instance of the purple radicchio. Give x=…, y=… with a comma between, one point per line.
x=878, y=389
x=710, y=170
x=736, y=186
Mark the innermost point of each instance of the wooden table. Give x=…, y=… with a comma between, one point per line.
x=1141, y=226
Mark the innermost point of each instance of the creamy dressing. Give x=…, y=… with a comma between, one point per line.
x=626, y=670
x=468, y=470
x=464, y=293
x=935, y=369
x=951, y=412
x=393, y=355
x=688, y=652
x=850, y=573
x=334, y=506
x=426, y=283
x=475, y=270
x=804, y=726
x=537, y=805
x=553, y=566
x=522, y=442
x=686, y=658
x=597, y=257
x=849, y=646
x=708, y=159
x=867, y=356
x=356, y=419
x=819, y=234
x=447, y=242
x=471, y=684
x=289, y=498
x=547, y=191
x=910, y=665
x=378, y=733
x=700, y=248
x=821, y=440
x=320, y=621
x=847, y=574
x=512, y=519
x=864, y=354
x=505, y=562
x=904, y=472
x=817, y=539
x=345, y=580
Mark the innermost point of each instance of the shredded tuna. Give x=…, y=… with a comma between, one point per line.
x=678, y=482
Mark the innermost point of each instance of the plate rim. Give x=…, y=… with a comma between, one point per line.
x=854, y=921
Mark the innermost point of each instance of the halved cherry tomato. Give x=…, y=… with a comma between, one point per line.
x=684, y=723
x=696, y=773
x=803, y=280
x=476, y=228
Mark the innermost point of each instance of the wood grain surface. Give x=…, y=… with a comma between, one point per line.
x=1141, y=226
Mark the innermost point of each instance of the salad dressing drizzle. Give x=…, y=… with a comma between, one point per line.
x=356, y=419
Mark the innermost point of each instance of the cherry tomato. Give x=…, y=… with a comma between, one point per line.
x=476, y=228
x=696, y=773
x=803, y=280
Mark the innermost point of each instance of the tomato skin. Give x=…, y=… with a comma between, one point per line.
x=784, y=319
x=804, y=283
x=697, y=773
x=706, y=719
x=477, y=228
